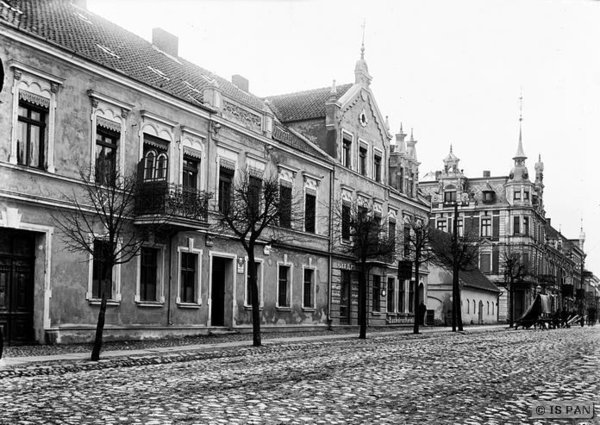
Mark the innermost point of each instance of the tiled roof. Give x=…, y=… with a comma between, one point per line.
x=475, y=279
x=281, y=134
x=304, y=105
x=98, y=40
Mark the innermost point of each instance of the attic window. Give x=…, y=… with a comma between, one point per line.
x=159, y=73
x=108, y=51
x=83, y=17
x=190, y=86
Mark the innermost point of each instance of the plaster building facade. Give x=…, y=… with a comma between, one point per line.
x=79, y=91
x=371, y=171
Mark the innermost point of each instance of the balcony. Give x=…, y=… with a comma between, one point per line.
x=160, y=202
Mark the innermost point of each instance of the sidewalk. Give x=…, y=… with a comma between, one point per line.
x=268, y=340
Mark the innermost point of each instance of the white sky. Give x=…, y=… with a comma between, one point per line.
x=452, y=70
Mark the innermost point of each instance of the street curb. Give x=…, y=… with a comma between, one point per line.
x=213, y=351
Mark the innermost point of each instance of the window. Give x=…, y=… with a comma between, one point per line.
x=310, y=210
x=526, y=225
x=516, y=225
x=254, y=189
x=101, y=273
x=442, y=225
x=401, y=295
x=460, y=227
x=376, y=293
x=362, y=160
x=346, y=222
x=308, y=289
x=484, y=263
x=488, y=307
x=377, y=168
x=468, y=306
x=406, y=240
x=283, y=287
x=248, y=298
x=189, y=262
x=411, y=296
x=149, y=274
x=155, y=161
x=450, y=197
x=347, y=153
x=390, y=294
x=488, y=196
x=486, y=226
x=526, y=194
x=392, y=234
x=31, y=135
x=190, y=169
x=106, y=156
x=517, y=195
x=225, y=188
x=285, y=206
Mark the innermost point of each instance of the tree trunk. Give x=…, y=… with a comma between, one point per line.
x=362, y=302
x=101, y=319
x=256, y=339
x=511, y=304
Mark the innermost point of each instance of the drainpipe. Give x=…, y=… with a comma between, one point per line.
x=330, y=244
x=171, y=234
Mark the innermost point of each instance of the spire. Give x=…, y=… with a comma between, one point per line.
x=520, y=155
x=333, y=92
x=361, y=70
x=411, y=149
x=581, y=235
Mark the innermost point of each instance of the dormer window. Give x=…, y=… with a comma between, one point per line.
x=450, y=195
x=488, y=197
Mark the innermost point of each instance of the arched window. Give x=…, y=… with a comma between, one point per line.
x=468, y=306
x=488, y=307
x=161, y=167
x=149, y=164
x=492, y=307
x=474, y=311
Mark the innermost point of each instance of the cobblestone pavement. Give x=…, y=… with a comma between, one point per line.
x=472, y=378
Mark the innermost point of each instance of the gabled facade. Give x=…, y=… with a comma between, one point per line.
x=345, y=122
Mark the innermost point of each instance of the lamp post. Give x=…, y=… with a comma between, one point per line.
x=456, y=313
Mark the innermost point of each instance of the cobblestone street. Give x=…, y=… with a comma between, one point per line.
x=477, y=377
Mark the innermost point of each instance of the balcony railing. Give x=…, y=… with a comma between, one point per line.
x=168, y=200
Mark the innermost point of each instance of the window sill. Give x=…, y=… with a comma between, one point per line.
x=309, y=309
x=283, y=308
x=249, y=308
x=189, y=305
x=376, y=313
x=152, y=304
x=97, y=301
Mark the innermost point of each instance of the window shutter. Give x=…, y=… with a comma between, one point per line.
x=495, y=260
x=496, y=227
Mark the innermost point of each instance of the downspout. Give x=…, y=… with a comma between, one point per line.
x=170, y=279
x=330, y=245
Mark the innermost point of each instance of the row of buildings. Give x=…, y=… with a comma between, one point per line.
x=78, y=91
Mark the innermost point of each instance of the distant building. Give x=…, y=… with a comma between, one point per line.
x=506, y=216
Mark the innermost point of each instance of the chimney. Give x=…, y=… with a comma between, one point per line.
x=241, y=82
x=165, y=41
x=486, y=173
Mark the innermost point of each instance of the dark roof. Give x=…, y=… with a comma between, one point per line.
x=98, y=40
x=476, y=279
x=304, y=105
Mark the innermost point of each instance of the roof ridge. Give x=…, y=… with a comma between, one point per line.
x=338, y=86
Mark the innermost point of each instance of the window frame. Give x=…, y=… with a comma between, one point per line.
x=346, y=154
x=225, y=187
x=312, y=288
x=391, y=295
x=260, y=277
x=288, y=284
x=160, y=277
x=190, y=249
x=285, y=204
x=116, y=295
x=376, y=294
x=310, y=215
x=345, y=222
x=29, y=123
x=378, y=166
x=486, y=226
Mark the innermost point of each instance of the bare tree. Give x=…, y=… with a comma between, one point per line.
x=514, y=271
x=99, y=222
x=256, y=209
x=417, y=248
x=360, y=233
x=458, y=253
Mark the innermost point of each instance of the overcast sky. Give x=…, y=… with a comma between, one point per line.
x=451, y=70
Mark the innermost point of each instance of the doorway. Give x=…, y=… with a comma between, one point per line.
x=221, y=291
x=17, y=257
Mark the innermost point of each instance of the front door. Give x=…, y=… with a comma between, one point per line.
x=217, y=314
x=17, y=250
